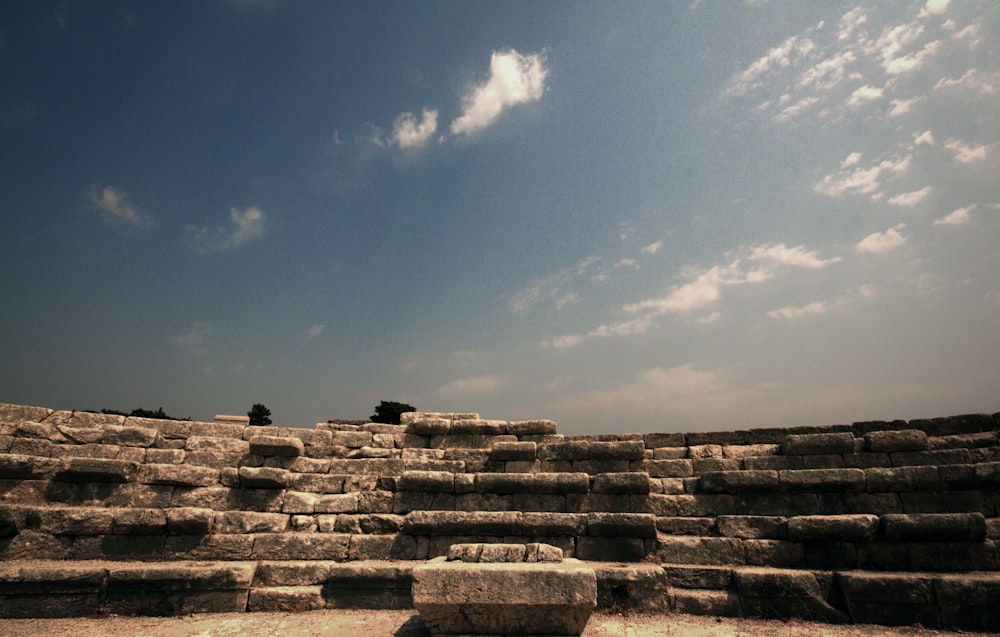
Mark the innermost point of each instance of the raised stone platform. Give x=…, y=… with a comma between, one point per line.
x=504, y=589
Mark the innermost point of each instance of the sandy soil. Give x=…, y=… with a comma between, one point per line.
x=407, y=624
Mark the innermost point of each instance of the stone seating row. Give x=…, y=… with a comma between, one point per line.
x=60, y=589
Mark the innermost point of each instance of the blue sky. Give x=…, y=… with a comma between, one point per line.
x=622, y=217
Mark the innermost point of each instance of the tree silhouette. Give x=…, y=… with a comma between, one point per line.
x=388, y=412
x=259, y=415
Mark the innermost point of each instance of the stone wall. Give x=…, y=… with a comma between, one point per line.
x=875, y=522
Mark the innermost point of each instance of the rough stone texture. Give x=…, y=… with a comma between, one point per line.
x=807, y=444
x=825, y=528
x=508, y=599
x=934, y=527
x=276, y=446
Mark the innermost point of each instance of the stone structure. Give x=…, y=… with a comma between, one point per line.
x=504, y=589
x=874, y=522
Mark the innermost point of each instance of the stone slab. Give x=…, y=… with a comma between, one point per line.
x=505, y=599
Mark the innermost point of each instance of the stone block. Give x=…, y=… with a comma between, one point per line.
x=739, y=482
x=508, y=451
x=337, y=503
x=968, y=602
x=228, y=522
x=719, y=603
x=775, y=463
x=889, y=599
x=459, y=523
x=548, y=524
x=934, y=527
x=505, y=482
x=263, y=478
x=784, y=504
x=823, y=480
x=567, y=450
x=669, y=468
x=660, y=440
x=286, y=599
x=953, y=556
x=561, y=483
x=847, y=503
x=71, y=520
x=375, y=501
x=685, y=526
x=818, y=443
x=96, y=470
x=668, y=453
x=139, y=521
x=512, y=599
x=27, y=467
x=708, y=465
x=937, y=457
x=833, y=528
x=177, y=475
x=703, y=551
x=208, y=547
x=593, y=467
x=287, y=447
x=637, y=587
x=531, y=428
x=783, y=594
x=831, y=555
x=918, y=478
x=698, y=576
x=610, y=549
x=621, y=525
x=981, y=501
x=301, y=546
x=621, y=483
x=761, y=527
x=774, y=553
x=189, y=521
x=896, y=440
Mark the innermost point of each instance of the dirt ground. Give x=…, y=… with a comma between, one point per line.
x=407, y=624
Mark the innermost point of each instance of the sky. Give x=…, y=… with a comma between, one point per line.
x=624, y=217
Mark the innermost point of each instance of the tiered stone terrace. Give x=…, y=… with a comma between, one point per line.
x=875, y=522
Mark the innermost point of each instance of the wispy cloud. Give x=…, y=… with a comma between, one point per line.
x=965, y=153
x=115, y=206
x=196, y=338
x=703, y=289
x=474, y=385
x=407, y=131
x=243, y=227
x=861, y=180
x=652, y=248
x=956, y=217
x=514, y=79
x=315, y=330
x=971, y=80
x=882, y=242
x=910, y=199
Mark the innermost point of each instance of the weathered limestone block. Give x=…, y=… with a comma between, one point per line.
x=639, y=587
x=427, y=426
x=934, y=527
x=621, y=450
x=217, y=443
x=139, y=521
x=711, y=551
x=632, y=482
x=428, y=481
x=890, y=599
x=365, y=584
x=505, y=482
x=561, y=483
x=680, y=468
x=968, y=602
x=96, y=470
x=531, y=428
x=71, y=520
x=189, y=521
x=236, y=522
x=759, y=527
x=566, y=450
x=660, y=440
x=719, y=603
x=89, y=451
x=377, y=501
x=457, y=523
x=896, y=440
x=809, y=444
x=176, y=589
x=919, y=478
x=337, y=503
x=509, y=599
x=49, y=589
x=263, y=478
x=782, y=594
x=938, y=457
x=774, y=553
x=27, y=467
x=621, y=525
x=301, y=546
x=512, y=451
x=740, y=481
x=16, y=413
x=823, y=480
x=685, y=526
x=178, y=475
x=479, y=426
x=286, y=599
x=276, y=446
x=835, y=528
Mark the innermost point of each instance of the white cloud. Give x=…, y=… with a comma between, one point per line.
x=851, y=159
x=972, y=80
x=514, y=79
x=791, y=50
x=910, y=199
x=466, y=386
x=703, y=289
x=625, y=262
x=882, y=242
x=243, y=227
x=115, y=206
x=956, y=217
x=864, y=94
x=567, y=299
x=934, y=7
x=860, y=181
x=912, y=61
x=653, y=248
x=965, y=153
x=315, y=330
x=407, y=131
x=923, y=138
x=796, y=109
x=902, y=107
x=798, y=311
